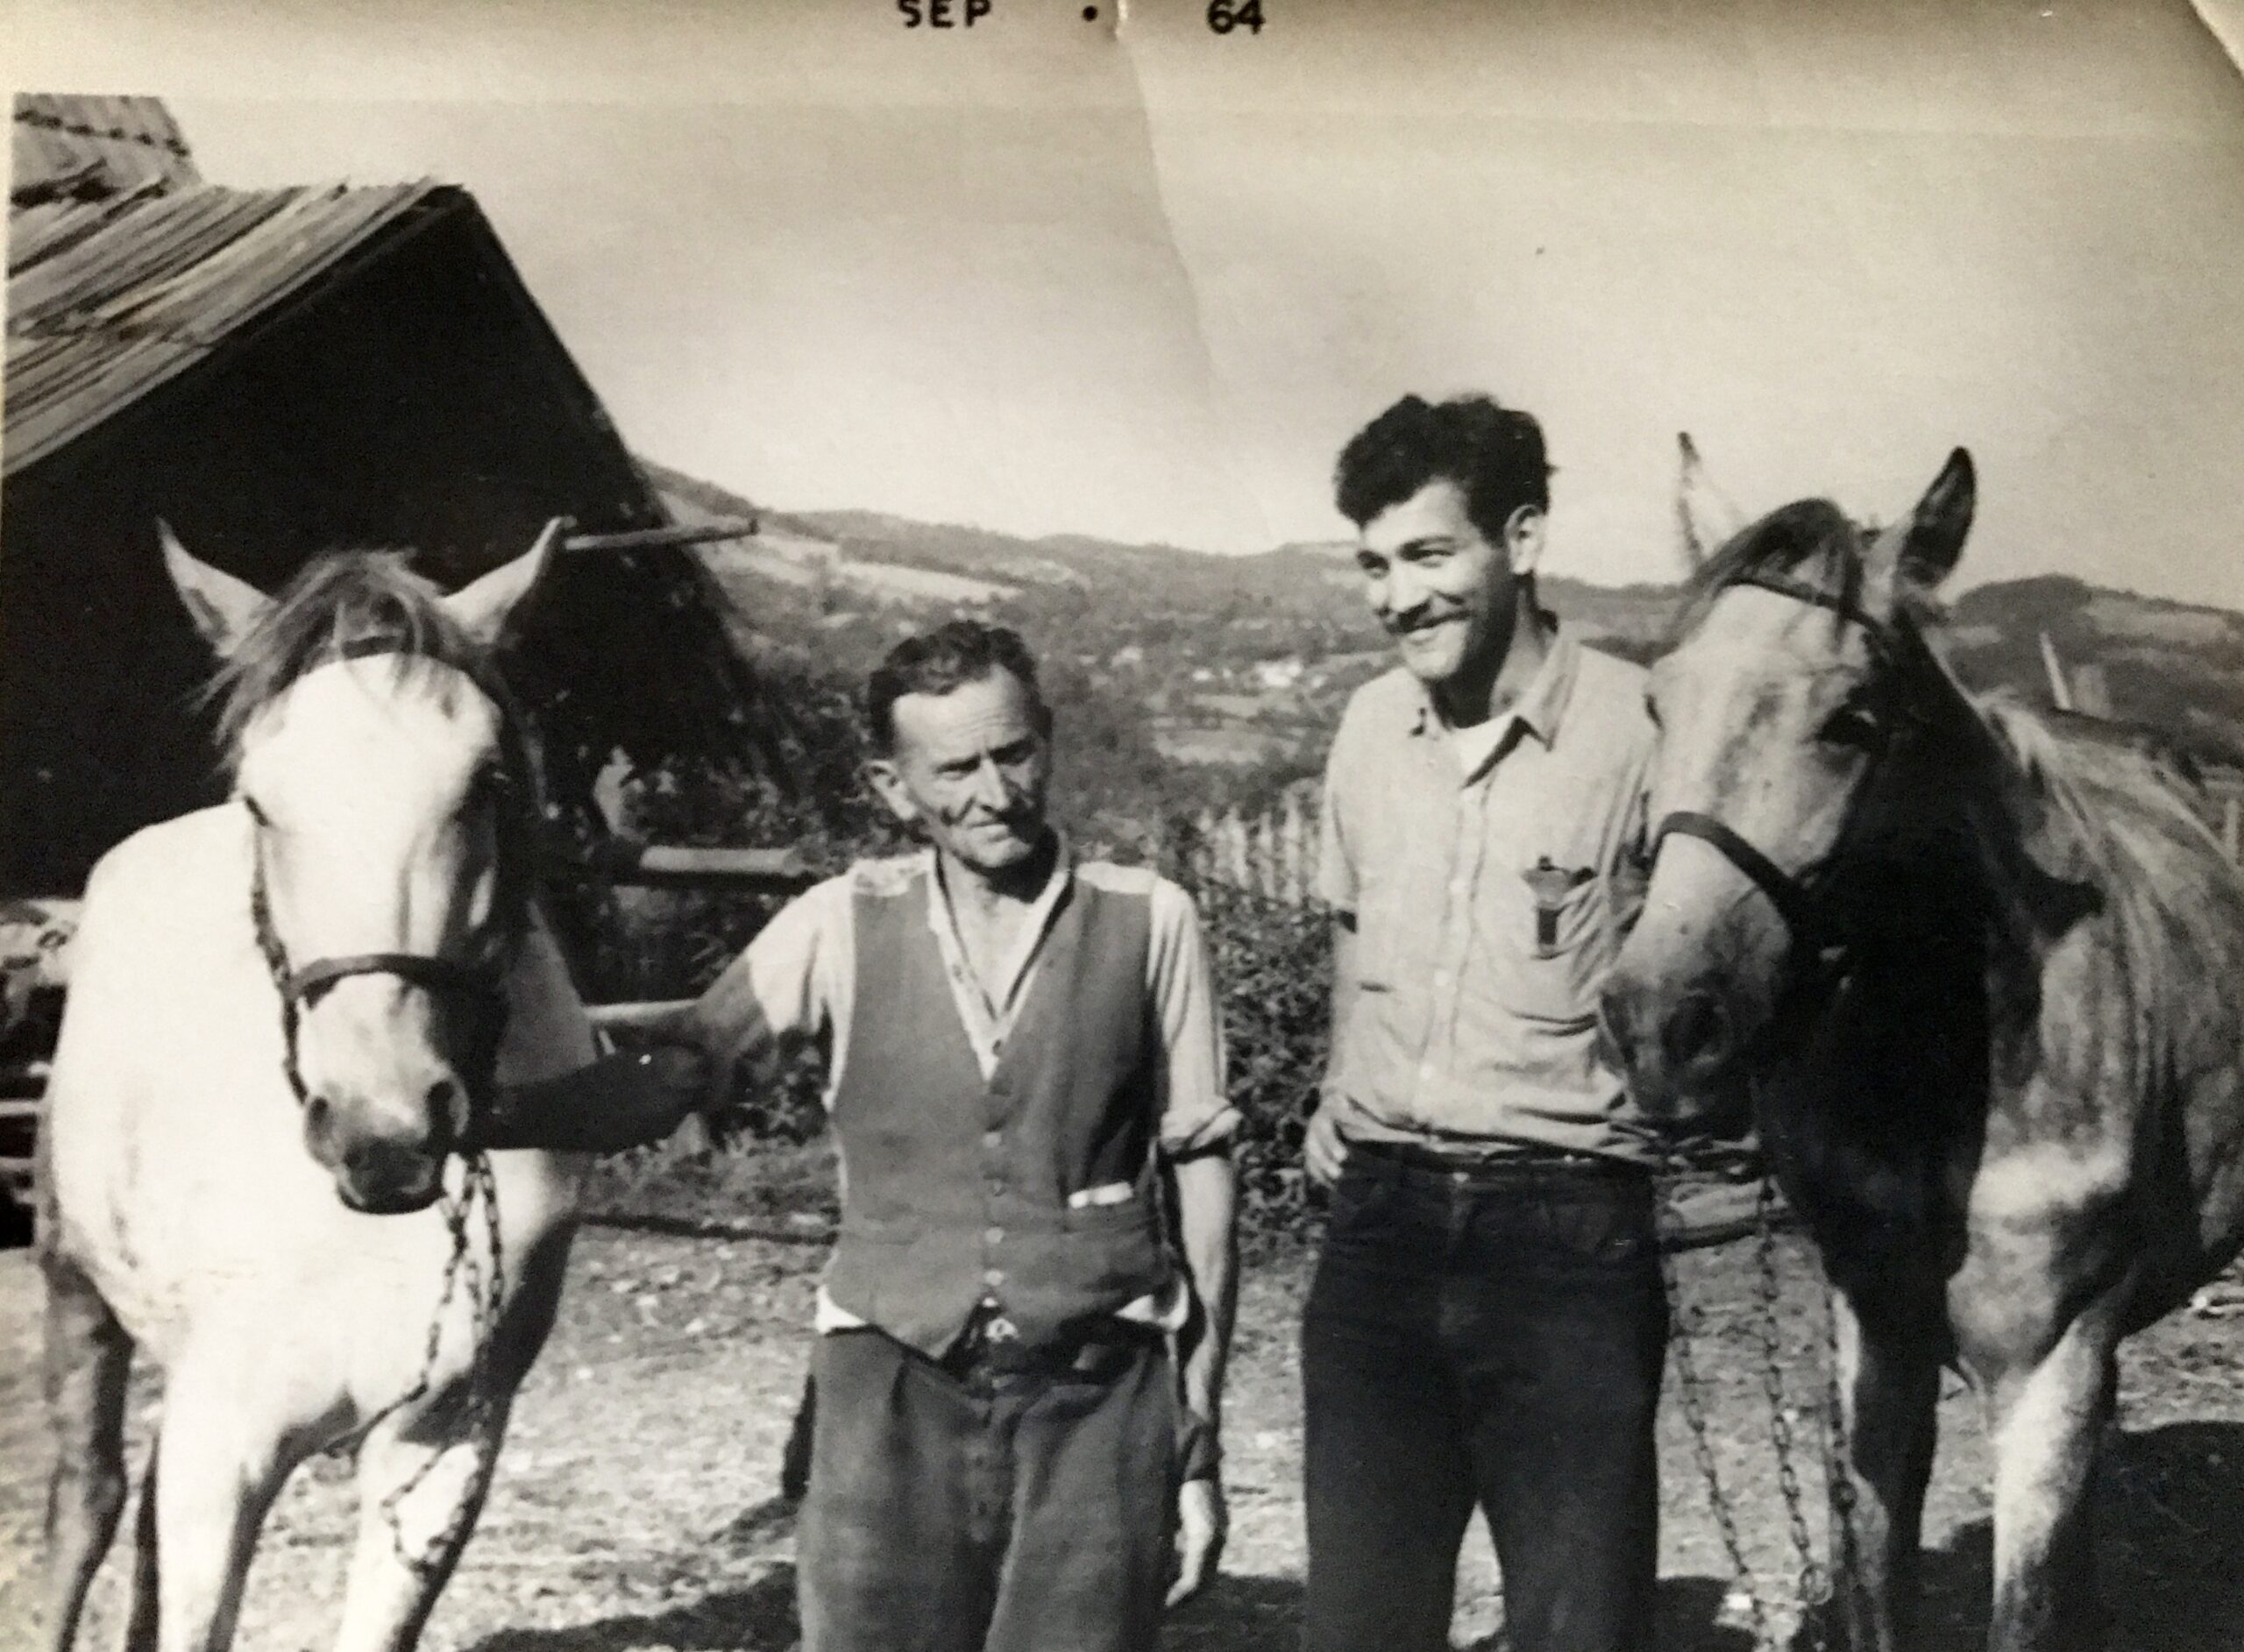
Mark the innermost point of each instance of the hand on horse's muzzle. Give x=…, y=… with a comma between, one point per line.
x=616, y=1102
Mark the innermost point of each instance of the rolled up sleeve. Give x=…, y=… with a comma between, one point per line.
x=1196, y=1115
x=785, y=986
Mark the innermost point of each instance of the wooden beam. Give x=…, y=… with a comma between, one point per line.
x=667, y=866
x=608, y=1017
x=664, y=538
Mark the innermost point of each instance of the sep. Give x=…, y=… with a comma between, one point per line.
x=941, y=14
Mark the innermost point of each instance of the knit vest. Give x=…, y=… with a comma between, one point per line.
x=957, y=1189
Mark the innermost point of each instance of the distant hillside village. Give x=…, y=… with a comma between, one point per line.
x=1230, y=672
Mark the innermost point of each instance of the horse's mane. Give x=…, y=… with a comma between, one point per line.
x=2127, y=802
x=344, y=600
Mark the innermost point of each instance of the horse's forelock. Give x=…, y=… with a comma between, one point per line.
x=345, y=601
x=349, y=603
x=1784, y=542
x=1787, y=542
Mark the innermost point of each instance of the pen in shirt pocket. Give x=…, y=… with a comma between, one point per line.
x=1550, y=884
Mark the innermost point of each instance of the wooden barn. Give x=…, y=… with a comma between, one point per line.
x=278, y=373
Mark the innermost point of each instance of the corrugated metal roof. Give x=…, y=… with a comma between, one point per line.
x=108, y=299
x=96, y=146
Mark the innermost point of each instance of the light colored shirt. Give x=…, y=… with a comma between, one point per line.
x=797, y=979
x=1489, y=898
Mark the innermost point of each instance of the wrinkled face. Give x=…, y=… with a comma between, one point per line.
x=1769, y=720
x=376, y=798
x=970, y=769
x=1445, y=593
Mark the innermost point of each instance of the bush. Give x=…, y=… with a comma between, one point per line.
x=1272, y=965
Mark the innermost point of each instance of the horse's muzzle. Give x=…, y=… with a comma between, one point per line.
x=392, y=1170
x=382, y=1178
x=1676, y=1050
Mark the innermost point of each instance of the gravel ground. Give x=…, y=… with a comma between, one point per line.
x=634, y=1510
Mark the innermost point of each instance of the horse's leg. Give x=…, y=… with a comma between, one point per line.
x=219, y=1461
x=87, y=1358
x=2045, y=1423
x=420, y=1489
x=140, y=1628
x=1888, y=1383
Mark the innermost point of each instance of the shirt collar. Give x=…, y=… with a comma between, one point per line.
x=1004, y=992
x=1539, y=709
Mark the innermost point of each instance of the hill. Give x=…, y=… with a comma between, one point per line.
x=1192, y=678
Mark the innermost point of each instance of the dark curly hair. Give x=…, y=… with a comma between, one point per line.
x=953, y=654
x=1492, y=453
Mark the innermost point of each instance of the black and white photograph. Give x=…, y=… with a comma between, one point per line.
x=1076, y=825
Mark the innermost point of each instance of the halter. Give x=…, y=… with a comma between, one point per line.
x=1794, y=895
x=300, y=986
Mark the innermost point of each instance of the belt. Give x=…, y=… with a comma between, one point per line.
x=1494, y=1163
x=992, y=1346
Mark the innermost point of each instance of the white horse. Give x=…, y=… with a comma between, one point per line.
x=255, y=1170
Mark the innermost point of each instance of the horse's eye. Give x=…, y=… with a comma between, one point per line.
x=1853, y=724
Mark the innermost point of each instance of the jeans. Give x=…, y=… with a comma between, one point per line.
x=1017, y=1511
x=1491, y=1336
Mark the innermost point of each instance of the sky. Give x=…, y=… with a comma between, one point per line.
x=1045, y=278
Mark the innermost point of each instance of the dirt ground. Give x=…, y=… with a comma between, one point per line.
x=634, y=1507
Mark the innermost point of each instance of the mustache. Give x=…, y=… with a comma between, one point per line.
x=1404, y=624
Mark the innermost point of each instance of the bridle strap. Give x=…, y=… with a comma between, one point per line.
x=1786, y=892
x=298, y=987
x=1783, y=889
x=1879, y=635
x=430, y=973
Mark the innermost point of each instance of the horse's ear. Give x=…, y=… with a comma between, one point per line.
x=1937, y=526
x=484, y=606
x=224, y=609
x=1704, y=512
x=1923, y=547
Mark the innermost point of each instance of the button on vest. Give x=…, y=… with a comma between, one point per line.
x=957, y=1188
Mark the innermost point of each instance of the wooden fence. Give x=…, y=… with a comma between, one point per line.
x=1274, y=852
x=34, y=960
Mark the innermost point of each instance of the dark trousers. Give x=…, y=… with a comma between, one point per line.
x=1492, y=1336
x=975, y=1511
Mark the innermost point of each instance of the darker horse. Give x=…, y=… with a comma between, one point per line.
x=1981, y=972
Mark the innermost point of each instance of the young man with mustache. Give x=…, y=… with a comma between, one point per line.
x=1487, y=1324
x=1018, y=1376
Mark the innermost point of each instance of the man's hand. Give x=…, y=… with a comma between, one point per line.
x=1324, y=1149
x=606, y=1106
x=1202, y=1524
x=682, y=1074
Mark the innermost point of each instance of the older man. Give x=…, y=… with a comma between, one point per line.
x=1487, y=1324
x=1022, y=1058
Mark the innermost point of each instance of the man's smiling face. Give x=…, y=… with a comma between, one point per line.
x=1448, y=595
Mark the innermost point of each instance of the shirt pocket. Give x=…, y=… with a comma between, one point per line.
x=1554, y=908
